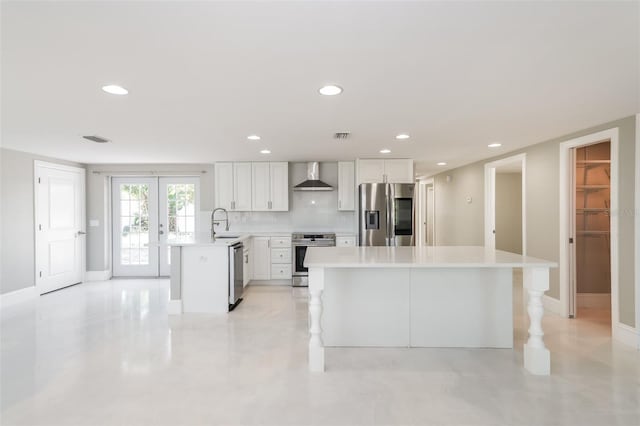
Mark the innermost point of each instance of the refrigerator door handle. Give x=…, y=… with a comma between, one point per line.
x=391, y=217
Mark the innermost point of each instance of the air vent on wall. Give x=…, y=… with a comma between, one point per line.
x=341, y=135
x=96, y=139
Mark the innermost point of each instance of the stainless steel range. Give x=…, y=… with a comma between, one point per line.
x=299, y=243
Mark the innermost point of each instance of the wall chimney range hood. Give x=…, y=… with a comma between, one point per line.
x=313, y=182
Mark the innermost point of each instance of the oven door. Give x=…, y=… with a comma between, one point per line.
x=298, y=269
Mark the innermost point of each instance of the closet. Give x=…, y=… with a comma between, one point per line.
x=592, y=226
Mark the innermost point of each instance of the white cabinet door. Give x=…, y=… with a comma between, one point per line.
x=246, y=265
x=279, y=174
x=370, y=171
x=224, y=185
x=242, y=186
x=346, y=241
x=261, y=264
x=399, y=170
x=261, y=193
x=346, y=186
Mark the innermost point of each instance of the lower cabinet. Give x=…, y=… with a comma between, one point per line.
x=261, y=251
x=346, y=241
x=246, y=264
x=271, y=258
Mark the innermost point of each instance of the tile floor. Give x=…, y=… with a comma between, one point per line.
x=106, y=353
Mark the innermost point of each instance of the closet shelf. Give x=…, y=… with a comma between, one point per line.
x=592, y=232
x=593, y=162
x=591, y=187
x=589, y=209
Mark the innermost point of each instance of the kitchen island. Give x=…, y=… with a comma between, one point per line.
x=199, y=280
x=422, y=297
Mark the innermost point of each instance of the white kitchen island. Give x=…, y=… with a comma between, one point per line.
x=200, y=273
x=422, y=297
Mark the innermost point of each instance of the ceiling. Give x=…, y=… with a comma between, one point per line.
x=203, y=76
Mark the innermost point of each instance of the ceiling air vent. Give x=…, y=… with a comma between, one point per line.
x=341, y=135
x=96, y=139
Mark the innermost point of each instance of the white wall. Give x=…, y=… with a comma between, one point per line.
x=17, y=247
x=459, y=223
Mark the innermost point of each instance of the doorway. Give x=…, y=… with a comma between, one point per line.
x=505, y=204
x=587, y=227
x=146, y=212
x=425, y=211
x=59, y=198
x=590, y=271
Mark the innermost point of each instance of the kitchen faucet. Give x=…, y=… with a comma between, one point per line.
x=217, y=222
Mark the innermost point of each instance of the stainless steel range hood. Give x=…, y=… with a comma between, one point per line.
x=313, y=182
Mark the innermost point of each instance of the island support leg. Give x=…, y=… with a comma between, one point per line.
x=537, y=359
x=316, y=346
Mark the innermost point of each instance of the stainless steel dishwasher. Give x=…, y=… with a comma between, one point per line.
x=235, y=274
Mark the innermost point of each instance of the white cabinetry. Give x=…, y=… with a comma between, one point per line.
x=271, y=258
x=242, y=186
x=346, y=241
x=280, y=258
x=346, y=186
x=270, y=186
x=261, y=251
x=380, y=171
x=233, y=186
x=224, y=185
x=246, y=263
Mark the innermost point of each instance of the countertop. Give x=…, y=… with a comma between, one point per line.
x=418, y=257
x=206, y=240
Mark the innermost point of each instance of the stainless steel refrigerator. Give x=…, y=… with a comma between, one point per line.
x=387, y=214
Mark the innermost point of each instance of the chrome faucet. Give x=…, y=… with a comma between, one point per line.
x=215, y=222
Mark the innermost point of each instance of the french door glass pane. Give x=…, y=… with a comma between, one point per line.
x=181, y=212
x=134, y=219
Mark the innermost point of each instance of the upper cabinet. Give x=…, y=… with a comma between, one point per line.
x=381, y=171
x=270, y=186
x=346, y=186
x=233, y=186
x=247, y=186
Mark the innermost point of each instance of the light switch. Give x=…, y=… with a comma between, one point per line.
x=94, y=223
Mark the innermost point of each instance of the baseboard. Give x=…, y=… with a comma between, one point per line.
x=270, y=282
x=17, y=296
x=174, y=307
x=594, y=300
x=627, y=335
x=97, y=275
x=551, y=305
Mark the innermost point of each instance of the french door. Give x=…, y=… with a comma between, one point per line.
x=148, y=211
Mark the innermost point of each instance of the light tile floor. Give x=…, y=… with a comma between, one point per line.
x=107, y=354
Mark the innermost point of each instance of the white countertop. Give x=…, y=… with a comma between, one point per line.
x=418, y=257
x=206, y=240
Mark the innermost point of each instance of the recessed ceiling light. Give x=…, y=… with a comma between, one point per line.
x=115, y=89
x=385, y=151
x=494, y=145
x=402, y=136
x=253, y=137
x=442, y=163
x=265, y=151
x=330, y=90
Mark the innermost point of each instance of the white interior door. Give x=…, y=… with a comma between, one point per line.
x=179, y=200
x=135, y=226
x=60, y=225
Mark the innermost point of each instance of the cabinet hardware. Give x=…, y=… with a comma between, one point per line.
x=339, y=204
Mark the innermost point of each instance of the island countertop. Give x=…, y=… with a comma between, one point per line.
x=202, y=239
x=418, y=257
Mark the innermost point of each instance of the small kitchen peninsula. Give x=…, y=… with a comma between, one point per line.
x=422, y=297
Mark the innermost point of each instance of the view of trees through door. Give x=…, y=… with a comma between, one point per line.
x=148, y=211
